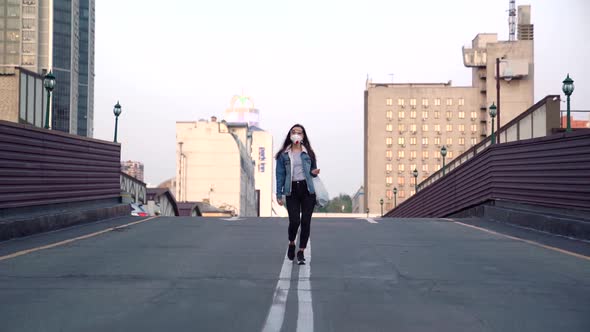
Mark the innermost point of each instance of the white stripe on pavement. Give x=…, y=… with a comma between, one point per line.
x=371, y=220
x=305, y=314
x=276, y=315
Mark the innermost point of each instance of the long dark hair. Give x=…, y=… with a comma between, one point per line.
x=305, y=142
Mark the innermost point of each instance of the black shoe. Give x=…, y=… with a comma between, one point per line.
x=291, y=252
x=300, y=258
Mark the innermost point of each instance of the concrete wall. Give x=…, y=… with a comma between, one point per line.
x=9, y=97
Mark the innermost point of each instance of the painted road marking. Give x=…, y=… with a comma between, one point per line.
x=370, y=220
x=57, y=244
x=276, y=315
x=233, y=219
x=522, y=240
x=305, y=313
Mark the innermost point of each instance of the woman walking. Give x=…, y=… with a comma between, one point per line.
x=296, y=166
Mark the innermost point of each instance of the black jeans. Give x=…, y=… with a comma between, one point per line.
x=300, y=205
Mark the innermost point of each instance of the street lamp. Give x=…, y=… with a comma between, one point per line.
x=381, y=202
x=493, y=112
x=394, y=197
x=443, y=153
x=568, y=88
x=415, y=173
x=117, y=112
x=49, y=83
x=367, y=212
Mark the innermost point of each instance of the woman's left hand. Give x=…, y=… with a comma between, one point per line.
x=315, y=171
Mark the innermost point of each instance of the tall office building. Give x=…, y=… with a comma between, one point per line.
x=57, y=35
x=406, y=125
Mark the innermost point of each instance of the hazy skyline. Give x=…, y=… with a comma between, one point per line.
x=301, y=62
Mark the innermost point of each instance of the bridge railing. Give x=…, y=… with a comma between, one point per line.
x=551, y=171
x=538, y=121
x=43, y=167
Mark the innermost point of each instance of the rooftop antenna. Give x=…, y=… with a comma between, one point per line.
x=512, y=20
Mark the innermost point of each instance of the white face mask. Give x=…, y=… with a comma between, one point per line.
x=296, y=138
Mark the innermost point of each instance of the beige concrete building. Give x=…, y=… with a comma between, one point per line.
x=214, y=165
x=22, y=97
x=406, y=125
x=133, y=168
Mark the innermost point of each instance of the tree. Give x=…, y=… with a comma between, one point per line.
x=340, y=204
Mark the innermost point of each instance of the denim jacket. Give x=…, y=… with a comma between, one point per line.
x=284, y=172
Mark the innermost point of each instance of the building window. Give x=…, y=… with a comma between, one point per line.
x=473, y=115
x=413, y=114
x=449, y=102
x=437, y=114
x=389, y=167
x=437, y=102
x=389, y=102
x=262, y=153
x=401, y=167
x=424, y=140
x=413, y=102
x=450, y=154
x=449, y=115
x=402, y=194
x=449, y=127
x=389, y=141
x=462, y=128
x=389, y=194
x=424, y=102
x=437, y=140
x=424, y=115
x=449, y=141
x=401, y=114
x=425, y=128
x=473, y=140
x=461, y=140
x=389, y=127
x=437, y=128
x=412, y=167
x=389, y=115
x=413, y=154
x=413, y=128
x=401, y=102
x=425, y=154
x=425, y=168
x=400, y=153
x=401, y=127
x=401, y=180
x=461, y=115
x=473, y=127
x=461, y=101
x=261, y=167
x=401, y=140
x=413, y=140
x=389, y=180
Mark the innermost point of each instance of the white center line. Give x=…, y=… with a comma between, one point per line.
x=276, y=315
x=305, y=314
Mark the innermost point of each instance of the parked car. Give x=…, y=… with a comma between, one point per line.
x=138, y=210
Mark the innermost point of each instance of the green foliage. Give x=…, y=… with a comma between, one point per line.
x=336, y=204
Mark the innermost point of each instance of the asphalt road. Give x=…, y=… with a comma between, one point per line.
x=184, y=274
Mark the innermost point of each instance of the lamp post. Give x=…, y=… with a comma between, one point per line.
x=117, y=112
x=443, y=153
x=415, y=173
x=394, y=197
x=367, y=210
x=568, y=88
x=381, y=202
x=493, y=112
x=49, y=83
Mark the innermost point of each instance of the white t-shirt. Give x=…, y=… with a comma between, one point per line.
x=298, y=174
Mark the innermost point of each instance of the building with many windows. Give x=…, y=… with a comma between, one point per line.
x=133, y=168
x=406, y=125
x=54, y=35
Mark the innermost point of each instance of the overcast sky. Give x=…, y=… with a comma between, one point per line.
x=302, y=61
